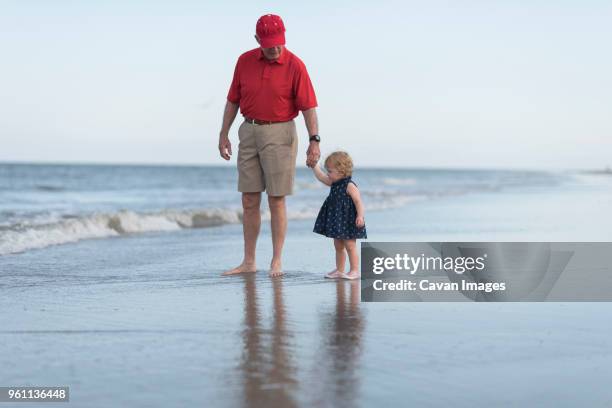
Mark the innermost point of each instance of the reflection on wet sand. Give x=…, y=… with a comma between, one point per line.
x=337, y=361
x=269, y=374
x=268, y=365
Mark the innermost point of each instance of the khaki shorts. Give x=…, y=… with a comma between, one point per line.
x=266, y=158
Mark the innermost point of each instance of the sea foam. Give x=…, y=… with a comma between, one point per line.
x=24, y=236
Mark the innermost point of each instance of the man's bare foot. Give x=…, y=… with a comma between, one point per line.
x=242, y=268
x=335, y=274
x=352, y=275
x=275, y=269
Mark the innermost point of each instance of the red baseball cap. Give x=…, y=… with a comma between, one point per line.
x=270, y=30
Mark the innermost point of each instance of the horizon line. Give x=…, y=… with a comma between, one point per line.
x=233, y=165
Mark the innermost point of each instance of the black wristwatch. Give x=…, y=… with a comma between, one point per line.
x=315, y=138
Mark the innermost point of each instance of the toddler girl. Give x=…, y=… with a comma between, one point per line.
x=342, y=215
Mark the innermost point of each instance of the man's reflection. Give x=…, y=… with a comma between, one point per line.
x=269, y=375
x=268, y=359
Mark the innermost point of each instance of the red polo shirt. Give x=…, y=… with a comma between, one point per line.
x=271, y=90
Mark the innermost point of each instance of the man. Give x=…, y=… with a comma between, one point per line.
x=270, y=86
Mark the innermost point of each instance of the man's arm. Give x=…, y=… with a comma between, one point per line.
x=312, y=125
x=229, y=114
x=311, y=121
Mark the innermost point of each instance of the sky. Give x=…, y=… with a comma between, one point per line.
x=453, y=84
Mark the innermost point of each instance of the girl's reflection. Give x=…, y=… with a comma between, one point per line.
x=342, y=329
x=267, y=363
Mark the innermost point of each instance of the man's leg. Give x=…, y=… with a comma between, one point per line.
x=251, y=223
x=278, y=213
x=278, y=156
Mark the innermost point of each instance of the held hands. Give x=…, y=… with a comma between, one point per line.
x=312, y=154
x=225, y=147
x=360, y=221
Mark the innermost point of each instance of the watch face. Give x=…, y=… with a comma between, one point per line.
x=315, y=138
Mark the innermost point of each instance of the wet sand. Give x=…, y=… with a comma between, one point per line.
x=147, y=320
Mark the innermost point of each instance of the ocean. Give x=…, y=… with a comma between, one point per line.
x=110, y=283
x=43, y=205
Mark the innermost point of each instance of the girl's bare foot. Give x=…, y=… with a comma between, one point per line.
x=334, y=274
x=242, y=268
x=352, y=275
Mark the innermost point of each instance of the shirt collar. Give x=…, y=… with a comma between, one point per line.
x=280, y=60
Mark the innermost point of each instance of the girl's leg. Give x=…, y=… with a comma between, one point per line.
x=340, y=257
x=351, y=248
x=340, y=260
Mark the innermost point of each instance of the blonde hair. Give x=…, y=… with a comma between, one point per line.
x=341, y=161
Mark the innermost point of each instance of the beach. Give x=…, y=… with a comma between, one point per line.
x=142, y=316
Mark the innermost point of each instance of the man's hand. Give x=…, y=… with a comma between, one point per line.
x=225, y=147
x=313, y=154
x=312, y=125
x=360, y=221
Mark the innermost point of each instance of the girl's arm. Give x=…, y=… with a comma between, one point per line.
x=322, y=177
x=353, y=192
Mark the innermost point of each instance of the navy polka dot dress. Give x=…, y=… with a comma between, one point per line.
x=337, y=216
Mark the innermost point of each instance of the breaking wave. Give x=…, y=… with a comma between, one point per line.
x=21, y=237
